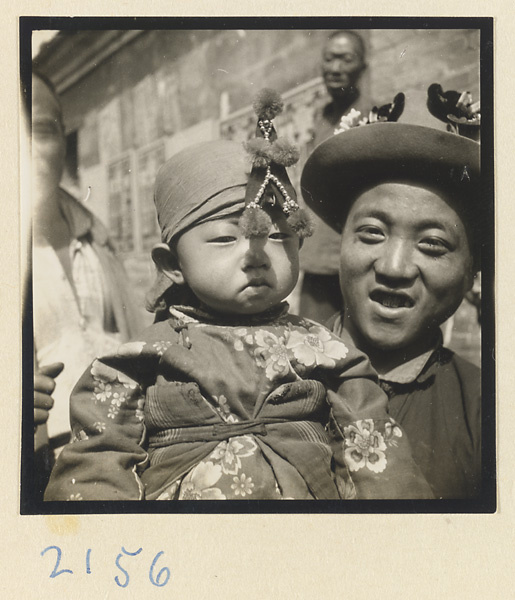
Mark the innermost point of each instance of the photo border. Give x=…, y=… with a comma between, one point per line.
x=487, y=501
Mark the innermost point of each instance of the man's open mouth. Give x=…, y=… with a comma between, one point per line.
x=392, y=299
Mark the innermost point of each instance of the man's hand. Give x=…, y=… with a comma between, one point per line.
x=44, y=385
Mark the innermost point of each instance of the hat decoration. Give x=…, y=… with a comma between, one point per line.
x=268, y=182
x=385, y=113
x=462, y=115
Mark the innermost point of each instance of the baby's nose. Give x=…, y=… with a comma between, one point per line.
x=255, y=256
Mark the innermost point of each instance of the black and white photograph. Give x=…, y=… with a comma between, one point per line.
x=259, y=266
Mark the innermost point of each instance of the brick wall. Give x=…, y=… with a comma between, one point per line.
x=410, y=60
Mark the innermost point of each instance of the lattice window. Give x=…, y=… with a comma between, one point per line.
x=148, y=165
x=121, y=211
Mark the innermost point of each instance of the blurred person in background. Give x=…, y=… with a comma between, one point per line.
x=343, y=63
x=81, y=300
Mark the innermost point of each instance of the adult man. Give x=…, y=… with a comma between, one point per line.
x=81, y=301
x=343, y=62
x=406, y=199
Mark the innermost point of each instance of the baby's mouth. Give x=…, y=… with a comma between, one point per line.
x=392, y=299
x=258, y=282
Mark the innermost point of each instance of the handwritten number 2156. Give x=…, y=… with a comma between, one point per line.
x=159, y=580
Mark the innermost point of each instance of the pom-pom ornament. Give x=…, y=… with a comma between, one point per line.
x=269, y=183
x=301, y=223
x=283, y=153
x=268, y=104
x=255, y=222
x=259, y=149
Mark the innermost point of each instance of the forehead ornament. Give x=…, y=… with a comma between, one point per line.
x=269, y=184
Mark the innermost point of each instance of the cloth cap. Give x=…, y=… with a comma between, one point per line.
x=202, y=182
x=343, y=167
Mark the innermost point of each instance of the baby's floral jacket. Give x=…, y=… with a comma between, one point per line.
x=202, y=406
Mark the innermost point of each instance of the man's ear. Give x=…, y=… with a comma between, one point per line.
x=471, y=279
x=471, y=275
x=167, y=263
x=363, y=68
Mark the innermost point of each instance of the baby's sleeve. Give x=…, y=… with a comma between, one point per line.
x=372, y=454
x=106, y=454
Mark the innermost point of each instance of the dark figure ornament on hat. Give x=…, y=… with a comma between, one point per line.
x=456, y=109
x=269, y=184
x=386, y=113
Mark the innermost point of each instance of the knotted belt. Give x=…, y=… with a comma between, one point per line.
x=312, y=459
x=213, y=433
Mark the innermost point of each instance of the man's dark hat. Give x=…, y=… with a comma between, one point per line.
x=343, y=167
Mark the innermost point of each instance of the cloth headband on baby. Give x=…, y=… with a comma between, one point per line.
x=201, y=182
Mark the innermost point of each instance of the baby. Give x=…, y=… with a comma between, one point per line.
x=227, y=395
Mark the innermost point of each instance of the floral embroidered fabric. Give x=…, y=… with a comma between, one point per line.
x=196, y=409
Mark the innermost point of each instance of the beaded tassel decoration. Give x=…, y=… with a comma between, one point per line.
x=268, y=182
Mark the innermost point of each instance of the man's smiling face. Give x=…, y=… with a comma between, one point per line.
x=405, y=265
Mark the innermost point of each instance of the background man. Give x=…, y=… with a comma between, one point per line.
x=343, y=62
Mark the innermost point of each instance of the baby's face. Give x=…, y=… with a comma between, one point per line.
x=233, y=274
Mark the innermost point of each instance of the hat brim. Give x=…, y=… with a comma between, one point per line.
x=343, y=167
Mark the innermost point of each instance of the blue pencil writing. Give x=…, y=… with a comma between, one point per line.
x=127, y=578
x=56, y=572
x=163, y=573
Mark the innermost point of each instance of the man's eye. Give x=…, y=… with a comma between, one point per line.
x=433, y=246
x=278, y=236
x=45, y=130
x=370, y=235
x=223, y=239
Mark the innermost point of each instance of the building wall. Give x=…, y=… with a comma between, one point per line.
x=135, y=98
x=410, y=60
